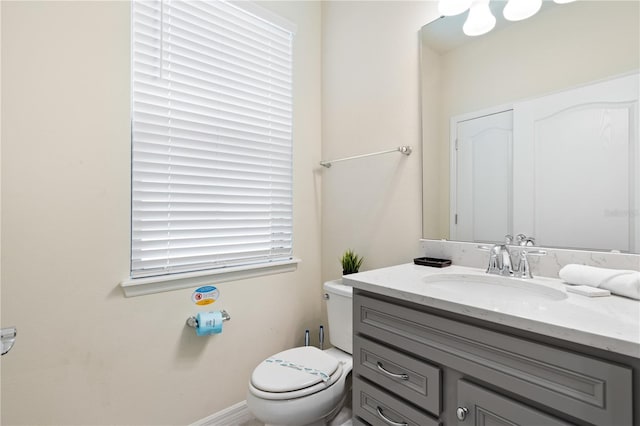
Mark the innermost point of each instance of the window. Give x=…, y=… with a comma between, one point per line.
x=211, y=138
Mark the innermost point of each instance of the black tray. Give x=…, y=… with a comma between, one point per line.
x=432, y=261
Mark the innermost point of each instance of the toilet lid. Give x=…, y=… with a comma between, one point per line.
x=294, y=369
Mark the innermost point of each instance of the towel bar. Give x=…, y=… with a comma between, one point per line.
x=405, y=149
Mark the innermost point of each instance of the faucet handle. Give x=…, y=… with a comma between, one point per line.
x=508, y=239
x=524, y=269
x=493, y=257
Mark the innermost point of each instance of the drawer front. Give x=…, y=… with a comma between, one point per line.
x=379, y=408
x=586, y=388
x=408, y=377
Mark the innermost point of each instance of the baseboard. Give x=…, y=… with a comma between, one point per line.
x=235, y=415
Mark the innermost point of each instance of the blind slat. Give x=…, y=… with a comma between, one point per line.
x=211, y=138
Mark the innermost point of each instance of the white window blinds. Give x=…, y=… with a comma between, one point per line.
x=211, y=138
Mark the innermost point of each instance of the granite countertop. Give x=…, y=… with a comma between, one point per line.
x=611, y=323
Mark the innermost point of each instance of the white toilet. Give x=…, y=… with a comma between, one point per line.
x=304, y=385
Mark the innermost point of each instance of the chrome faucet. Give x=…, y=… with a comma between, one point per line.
x=501, y=262
x=499, y=258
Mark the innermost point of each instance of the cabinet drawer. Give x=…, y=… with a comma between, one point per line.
x=379, y=408
x=586, y=388
x=408, y=377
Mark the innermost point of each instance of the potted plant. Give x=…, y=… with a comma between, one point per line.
x=350, y=262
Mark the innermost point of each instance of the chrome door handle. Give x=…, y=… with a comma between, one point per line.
x=388, y=420
x=7, y=339
x=401, y=376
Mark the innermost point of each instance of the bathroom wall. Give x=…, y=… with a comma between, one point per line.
x=370, y=103
x=86, y=355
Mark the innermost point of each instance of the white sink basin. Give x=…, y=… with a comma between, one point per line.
x=494, y=288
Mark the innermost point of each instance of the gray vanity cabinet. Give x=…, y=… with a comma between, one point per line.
x=412, y=361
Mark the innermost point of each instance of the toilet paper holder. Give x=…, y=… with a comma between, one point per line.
x=193, y=322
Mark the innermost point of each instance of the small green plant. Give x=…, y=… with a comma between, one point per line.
x=350, y=262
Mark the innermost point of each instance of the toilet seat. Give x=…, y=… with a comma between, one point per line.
x=295, y=373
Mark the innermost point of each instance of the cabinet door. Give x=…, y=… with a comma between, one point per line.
x=485, y=408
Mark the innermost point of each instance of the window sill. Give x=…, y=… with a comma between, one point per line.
x=141, y=286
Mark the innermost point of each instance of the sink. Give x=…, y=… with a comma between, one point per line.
x=494, y=288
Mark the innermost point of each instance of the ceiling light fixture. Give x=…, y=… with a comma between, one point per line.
x=480, y=20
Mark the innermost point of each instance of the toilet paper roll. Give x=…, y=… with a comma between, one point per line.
x=209, y=323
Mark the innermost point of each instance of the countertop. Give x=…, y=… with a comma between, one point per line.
x=611, y=323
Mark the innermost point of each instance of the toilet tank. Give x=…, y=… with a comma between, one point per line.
x=339, y=312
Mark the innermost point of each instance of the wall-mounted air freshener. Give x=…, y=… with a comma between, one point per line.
x=205, y=295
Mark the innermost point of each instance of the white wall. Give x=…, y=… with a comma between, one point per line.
x=371, y=102
x=85, y=354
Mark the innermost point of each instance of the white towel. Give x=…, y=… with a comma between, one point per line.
x=618, y=281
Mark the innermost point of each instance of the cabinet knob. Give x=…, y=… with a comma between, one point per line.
x=461, y=413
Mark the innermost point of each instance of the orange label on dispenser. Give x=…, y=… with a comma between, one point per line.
x=205, y=295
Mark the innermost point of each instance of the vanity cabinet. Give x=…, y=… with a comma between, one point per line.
x=415, y=365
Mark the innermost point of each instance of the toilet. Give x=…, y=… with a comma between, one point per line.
x=305, y=385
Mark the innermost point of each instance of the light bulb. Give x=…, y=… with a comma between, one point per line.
x=480, y=19
x=453, y=7
x=517, y=10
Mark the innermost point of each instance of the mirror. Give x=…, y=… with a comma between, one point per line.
x=561, y=48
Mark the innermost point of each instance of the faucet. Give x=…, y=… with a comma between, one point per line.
x=501, y=262
x=499, y=258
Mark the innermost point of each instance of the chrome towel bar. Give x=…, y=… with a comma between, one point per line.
x=405, y=149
